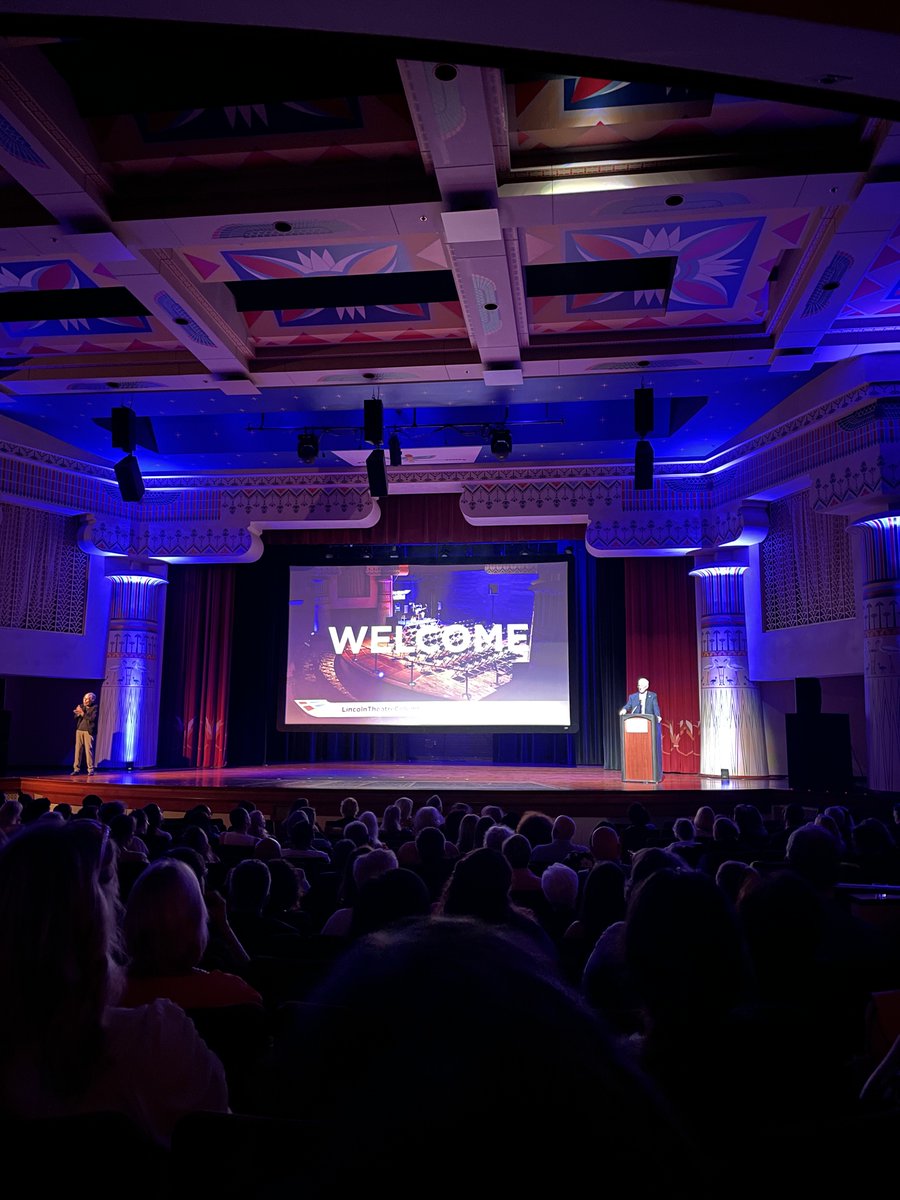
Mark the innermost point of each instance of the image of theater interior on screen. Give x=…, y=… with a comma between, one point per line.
x=429, y=645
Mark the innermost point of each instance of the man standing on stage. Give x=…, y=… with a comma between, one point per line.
x=85, y=731
x=644, y=701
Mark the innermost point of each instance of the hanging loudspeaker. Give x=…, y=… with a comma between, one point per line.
x=377, y=473
x=124, y=428
x=643, y=411
x=643, y=466
x=128, y=473
x=373, y=421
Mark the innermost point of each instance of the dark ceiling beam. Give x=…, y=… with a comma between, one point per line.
x=343, y=291
x=69, y=304
x=616, y=275
x=313, y=186
x=815, y=152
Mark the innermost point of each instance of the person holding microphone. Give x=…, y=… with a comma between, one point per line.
x=85, y=731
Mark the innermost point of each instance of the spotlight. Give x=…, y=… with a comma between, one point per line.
x=643, y=466
x=394, y=451
x=501, y=443
x=307, y=447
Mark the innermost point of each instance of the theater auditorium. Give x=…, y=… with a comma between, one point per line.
x=449, y=596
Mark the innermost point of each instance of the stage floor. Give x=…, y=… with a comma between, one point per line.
x=587, y=790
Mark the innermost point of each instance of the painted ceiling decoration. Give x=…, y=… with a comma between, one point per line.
x=250, y=253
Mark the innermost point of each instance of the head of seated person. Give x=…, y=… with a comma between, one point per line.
x=447, y=1024
x=386, y=899
x=559, y=884
x=60, y=946
x=166, y=920
x=249, y=884
x=815, y=853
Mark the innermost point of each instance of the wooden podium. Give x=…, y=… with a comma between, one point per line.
x=640, y=749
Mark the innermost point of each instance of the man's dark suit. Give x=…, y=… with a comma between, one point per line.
x=651, y=704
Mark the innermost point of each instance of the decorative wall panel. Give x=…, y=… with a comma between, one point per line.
x=806, y=566
x=44, y=574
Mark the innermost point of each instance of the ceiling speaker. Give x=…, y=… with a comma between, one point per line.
x=395, y=450
x=373, y=421
x=128, y=474
x=643, y=466
x=643, y=411
x=124, y=428
x=377, y=473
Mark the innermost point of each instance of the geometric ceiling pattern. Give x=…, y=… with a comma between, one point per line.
x=243, y=232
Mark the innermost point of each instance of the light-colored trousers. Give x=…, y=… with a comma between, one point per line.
x=84, y=740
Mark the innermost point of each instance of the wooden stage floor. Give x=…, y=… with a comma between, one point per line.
x=585, y=791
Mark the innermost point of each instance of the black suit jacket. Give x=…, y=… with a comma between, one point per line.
x=651, y=709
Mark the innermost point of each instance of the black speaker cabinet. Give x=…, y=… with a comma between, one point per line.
x=818, y=751
x=643, y=466
x=643, y=411
x=124, y=428
x=128, y=473
x=373, y=421
x=808, y=695
x=377, y=473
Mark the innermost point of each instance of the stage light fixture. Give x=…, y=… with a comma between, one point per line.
x=501, y=443
x=643, y=466
x=307, y=447
x=394, y=451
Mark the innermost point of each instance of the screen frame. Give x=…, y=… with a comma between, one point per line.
x=453, y=560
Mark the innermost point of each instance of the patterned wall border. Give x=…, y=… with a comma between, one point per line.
x=861, y=447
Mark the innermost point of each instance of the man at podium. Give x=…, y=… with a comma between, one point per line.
x=642, y=701
x=646, y=702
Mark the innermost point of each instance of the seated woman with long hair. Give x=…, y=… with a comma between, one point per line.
x=69, y=1048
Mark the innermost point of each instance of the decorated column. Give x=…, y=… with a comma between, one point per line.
x=881, y=611
x=732, y=734
x=129, y=702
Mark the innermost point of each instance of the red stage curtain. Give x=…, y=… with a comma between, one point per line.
x=661, y=643
x=199, y=620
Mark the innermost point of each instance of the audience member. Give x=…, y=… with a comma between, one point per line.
x=561, y=844
x=74, y=1050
